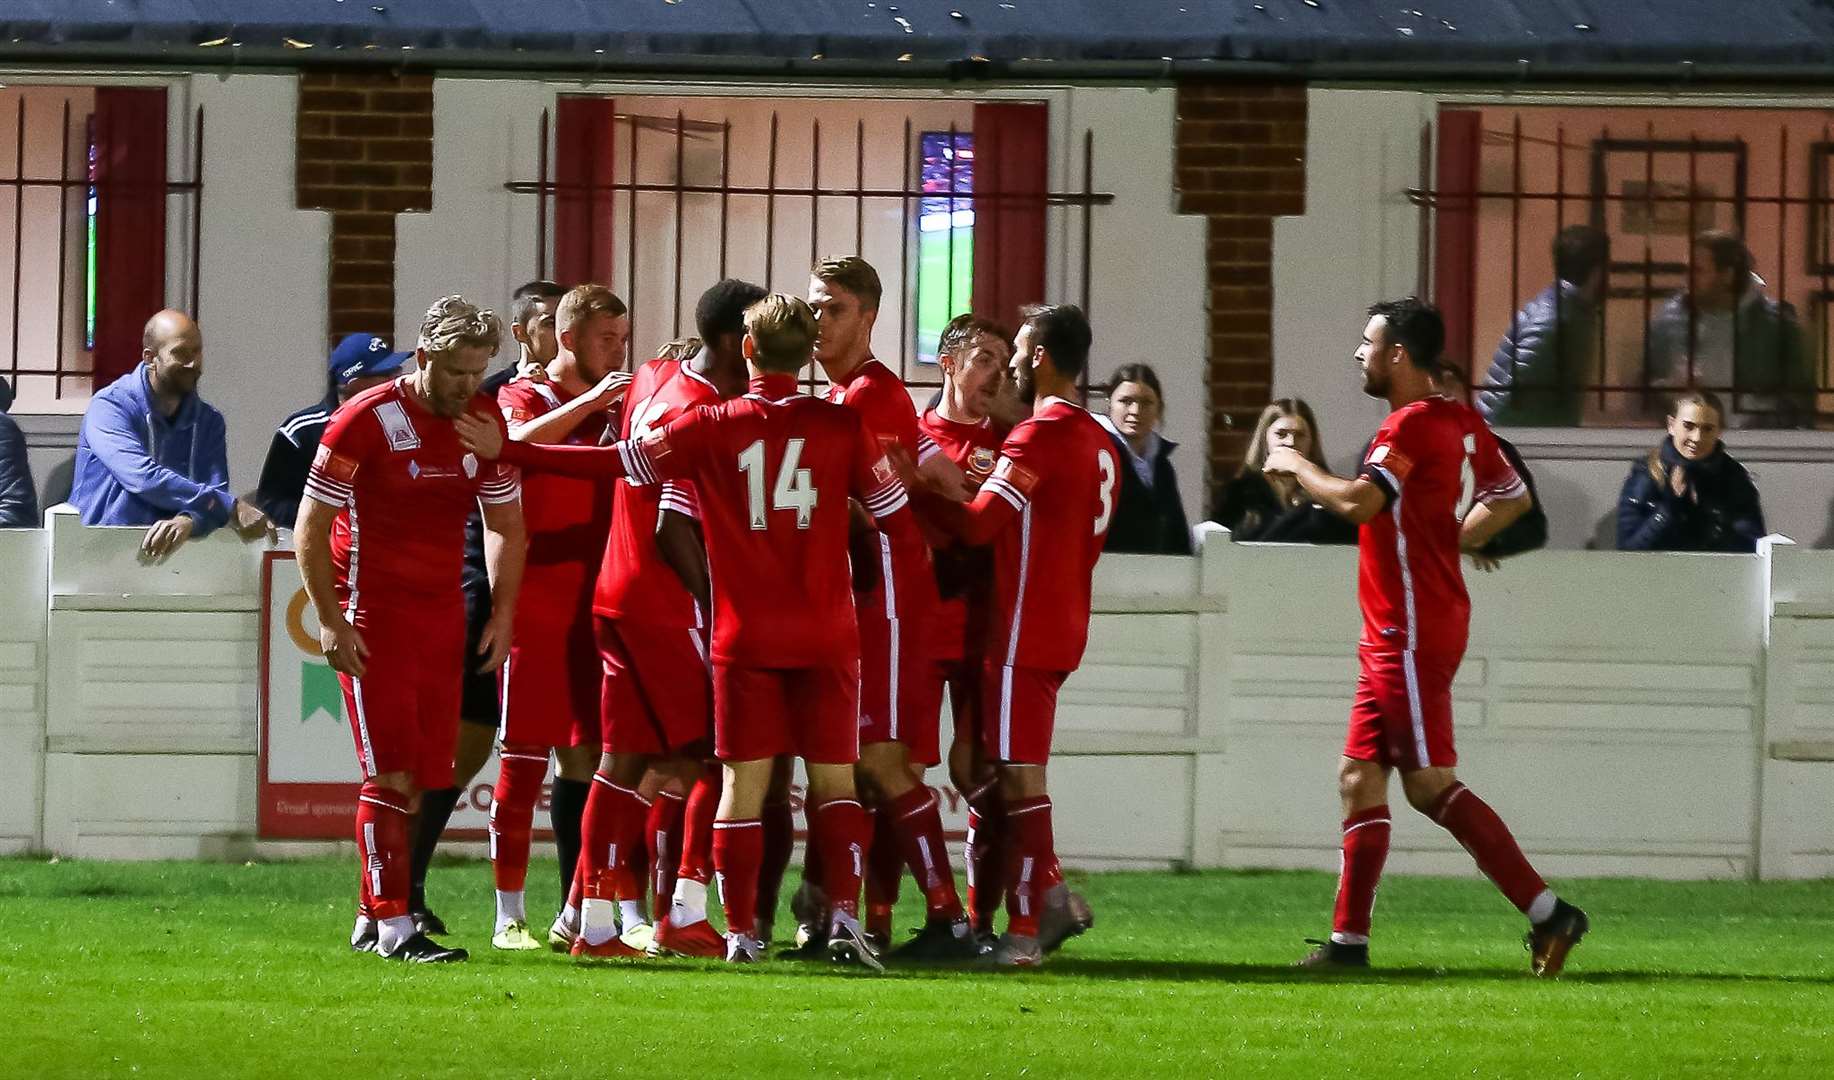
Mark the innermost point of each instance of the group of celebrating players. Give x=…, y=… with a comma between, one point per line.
x=710, y=573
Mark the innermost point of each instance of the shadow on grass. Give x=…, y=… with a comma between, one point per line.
x=1219, y=971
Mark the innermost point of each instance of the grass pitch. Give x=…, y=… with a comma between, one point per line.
x=181, y=969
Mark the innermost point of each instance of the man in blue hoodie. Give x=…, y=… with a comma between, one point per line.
x=151, y=452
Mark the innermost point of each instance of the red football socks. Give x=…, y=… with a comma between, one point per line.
x=1031, y=863
x=662, y=837
x=738, y=849
x=1471, y=821
x=779, y=848
x=884, y=872
x=916, y=819
x=984, y=856
x=383, y=854
x=1365, y=850
x=697, y=831
x=610, y=831
x=512, y=813
x=838, y=831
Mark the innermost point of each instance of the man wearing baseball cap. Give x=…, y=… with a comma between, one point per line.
x=359, y=362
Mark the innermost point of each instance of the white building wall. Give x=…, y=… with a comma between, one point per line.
x=1359, y=241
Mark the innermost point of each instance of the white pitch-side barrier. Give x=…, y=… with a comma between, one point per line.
x=1639, y=714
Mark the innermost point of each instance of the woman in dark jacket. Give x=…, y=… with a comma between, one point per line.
x=1688, y=494
x=1255, y=506
x=1149, y=517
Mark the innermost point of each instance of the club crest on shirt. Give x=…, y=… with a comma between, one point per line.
x=883, y=472
x=397, y=427
x=980, y=461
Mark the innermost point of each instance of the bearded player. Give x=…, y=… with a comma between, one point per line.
x=973, y=355
x=550, y=687
x=1045, y=509
x=773, y=471
x=1433, y=484
x=657, y=693
x=380, y=540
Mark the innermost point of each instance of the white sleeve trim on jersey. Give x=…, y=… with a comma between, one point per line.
x=999, y=486
x=887, y=500
x=1513, y=489
x=1393, y=484
x=926, y=448
x=637, y=465
x=682, y=500
x=326, y=490
x=498, y=492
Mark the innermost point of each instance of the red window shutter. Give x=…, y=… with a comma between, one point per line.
x=1010, y=145
x=1461, y=142
x=130, y=134
x=584, y=139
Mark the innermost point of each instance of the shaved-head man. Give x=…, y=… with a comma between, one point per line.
x=151, y=452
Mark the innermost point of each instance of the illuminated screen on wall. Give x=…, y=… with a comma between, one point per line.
x=945, y=235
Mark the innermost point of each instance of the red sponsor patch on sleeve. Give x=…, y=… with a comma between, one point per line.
x=1017, y=475
x=335, y=465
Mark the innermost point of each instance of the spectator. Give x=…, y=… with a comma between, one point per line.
x=1688, y=494
x=1149, y=517
x=359, y=362
x=151, y=452
x=1525, y=533
x=1273, y=508
x=1724, y=334
x=1552, y=344
x=18, y=498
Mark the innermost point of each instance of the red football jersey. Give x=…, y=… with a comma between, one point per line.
x=1058, y=470
x=1434, y=458
x=773, y=471
x=634, y=582
x=405, y=486
x=974, y=447
x=567, y=517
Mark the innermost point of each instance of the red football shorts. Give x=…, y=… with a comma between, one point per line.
x=960, y=681
x=813, y=713
x=900, y=700
x=656, y=696
x=404, y=711
x=550, y=687
x=1402, y=715
x=1019, y=707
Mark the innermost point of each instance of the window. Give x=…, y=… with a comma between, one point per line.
x=945, y=235
x=1590, y=260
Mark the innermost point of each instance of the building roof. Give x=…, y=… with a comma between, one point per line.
x=1656, y=40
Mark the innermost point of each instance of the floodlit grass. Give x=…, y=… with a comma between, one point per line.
x=181, y=969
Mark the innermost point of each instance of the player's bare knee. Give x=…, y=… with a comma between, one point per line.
x=830, y=782
x=886, y=769
x=1022, y=781
x=1361, y=784
x=474, y=744
x=744, y=787
x=402, y=782
x=627, y=770
x=575, y=762
x=1423, y=787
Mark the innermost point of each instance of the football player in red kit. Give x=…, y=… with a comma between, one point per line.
x=381, y=538
x=657, y=688
x=550, y=687
x=772, y=472
x=973, y=355
x=1045, y=509
x=1433, y=484
x=898, y=709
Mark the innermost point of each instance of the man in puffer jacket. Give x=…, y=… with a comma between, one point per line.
x=151, y=452
x=1688, y=494
x=18, y=496
x=1551, y=347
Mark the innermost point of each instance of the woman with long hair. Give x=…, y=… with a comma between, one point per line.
x=1255, y=506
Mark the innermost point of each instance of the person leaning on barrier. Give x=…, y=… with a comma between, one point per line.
x=152, y=452
x=359, y=362
x=1723, y=331
x=1275, y=509
x=18, y=495
x=1149, y=519
x=1688, y=494
x=1552, y=344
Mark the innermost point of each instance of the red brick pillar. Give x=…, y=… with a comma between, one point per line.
x=364, y=152
x=1241, y=163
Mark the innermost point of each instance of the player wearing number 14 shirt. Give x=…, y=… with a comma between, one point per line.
x=1433, y=484
x=772, y=472
x=1045, y=511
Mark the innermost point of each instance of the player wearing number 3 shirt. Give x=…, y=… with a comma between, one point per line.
x=1433, y=484
x=772, y=473
x=1045, y=511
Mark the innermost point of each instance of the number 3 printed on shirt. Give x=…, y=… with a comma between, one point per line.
x=794, y=489
x=1105, y=461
